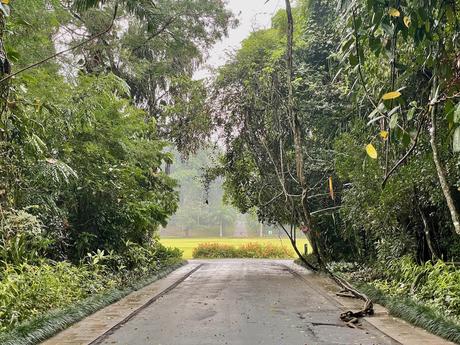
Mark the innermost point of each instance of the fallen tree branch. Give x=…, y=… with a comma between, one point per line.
x=351, y=317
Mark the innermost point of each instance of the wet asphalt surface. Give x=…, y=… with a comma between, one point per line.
x=243, y=302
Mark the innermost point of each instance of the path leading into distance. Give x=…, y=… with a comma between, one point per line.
x=238, y=302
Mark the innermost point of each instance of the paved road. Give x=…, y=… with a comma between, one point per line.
x=243, y=302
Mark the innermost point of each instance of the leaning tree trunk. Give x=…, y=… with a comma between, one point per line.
x=439, y=168
x=5, y=69
x=305, y=215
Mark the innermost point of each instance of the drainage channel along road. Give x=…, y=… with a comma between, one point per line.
x=269, y=302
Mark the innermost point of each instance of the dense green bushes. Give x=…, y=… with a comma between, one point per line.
x=249, y=250
x=426, y=295
x=28, y=290
x=436, y=285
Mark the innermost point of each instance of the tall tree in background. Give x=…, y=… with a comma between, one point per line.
x=156, y=50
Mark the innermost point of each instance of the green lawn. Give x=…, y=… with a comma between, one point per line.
x=188, y=244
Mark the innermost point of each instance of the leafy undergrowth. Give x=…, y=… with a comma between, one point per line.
x=39, y=299
x=249, y=250
x=46, y=325
x=426, y=295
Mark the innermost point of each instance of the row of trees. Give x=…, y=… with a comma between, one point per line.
x=201, y=211
x=342, y=119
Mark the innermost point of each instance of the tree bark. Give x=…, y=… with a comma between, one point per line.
x=5, y=70
x=295, y=125
x=439, y=168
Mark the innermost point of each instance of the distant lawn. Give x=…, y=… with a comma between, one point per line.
x=188, y=244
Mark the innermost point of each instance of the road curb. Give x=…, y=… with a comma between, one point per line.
x=99, y=339
x=93, y=328
x=395, y=328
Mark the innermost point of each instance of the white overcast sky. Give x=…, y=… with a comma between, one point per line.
x=252, y=15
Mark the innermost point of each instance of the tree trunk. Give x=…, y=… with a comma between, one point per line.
x=221, y=229
x=426, y=232
x=305, y=215
x=261, y=230
x=5, y=69
x=440, y=169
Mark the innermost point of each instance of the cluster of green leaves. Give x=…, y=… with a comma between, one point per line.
x=399, y=59
x=434, y=284
x=28, y=290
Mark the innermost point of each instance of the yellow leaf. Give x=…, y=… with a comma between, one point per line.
x=394, y=12
x=391, y=95
x=331, y=188
x=371, y=151
x=384, y=134
x=6, y=2
x=407, y=21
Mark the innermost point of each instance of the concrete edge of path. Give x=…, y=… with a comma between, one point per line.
x=395, y=328
x=94, y=328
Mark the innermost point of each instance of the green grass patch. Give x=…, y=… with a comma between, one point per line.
x=45, y=326
x=187, y=245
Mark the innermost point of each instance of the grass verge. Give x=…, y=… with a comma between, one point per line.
x=41, y=328
x=415, y=313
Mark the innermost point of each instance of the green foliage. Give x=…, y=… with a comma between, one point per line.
x=28, y=291
x=48, y=324
x=201, y=207
x=435, y=284
x=22, y=238
x=249, y=250
x=83, y=152
x=416, y=313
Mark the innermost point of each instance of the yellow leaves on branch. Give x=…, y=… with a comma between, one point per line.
x=371, y=151
x=391, y=95
x=384, y=135
x=6, y=2
x=407, y=21
x=394, y=12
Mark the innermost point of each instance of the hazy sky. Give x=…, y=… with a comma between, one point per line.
x=252, y=15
